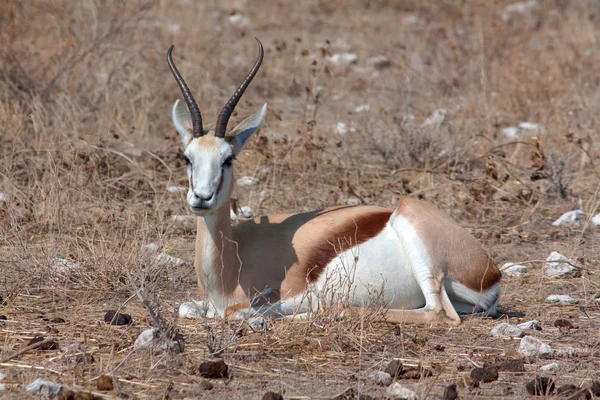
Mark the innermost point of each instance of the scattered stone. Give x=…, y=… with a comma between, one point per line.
x=105, y=383
x=558, y=266
x=214, y=369
x=521, y=8
x=113, y=318
x=272, y=396
x=450, y=393
x=147, y=339
x=148, y=203
x=534, y=324
x=397, y=391
x=206, y=385
x=596, y=220
x=485, y=374
x=4, y=199
x=239, y=19
x=394, y=368
x=2, y=387
x=531, y=346
x=247, y=181
x=177, y=189
x=530, y=126
x=259, y=323
x=50, y=345
x=194, y=310
x=378, y=62
x=507, y=331
x=44, y=388
x=565, y=352
x=62, y=266
x=511, y=133
x=512, y=365
x=247, y=212
x=341, y=128
x=563, y=325
x=562, y=299
x=436, y=118
x=343, y=59
x=381, y=378
x=512, y=270
x=540, y=386
x=365, y=108
x=152, y=248
x=570, y=218
x=166, y=260
x=550, y=367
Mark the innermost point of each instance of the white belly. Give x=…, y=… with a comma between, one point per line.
x=375, y=271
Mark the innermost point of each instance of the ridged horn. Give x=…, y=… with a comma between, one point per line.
x=187, y=95
x=230, y=106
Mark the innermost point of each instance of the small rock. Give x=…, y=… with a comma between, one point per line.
x=378, y=62
x=343, y=59
x=62, y=265
x=394, y=368
x=381, y=378
x=148, y=203
x=534, y=324
x=105, y=382
x=185, y=220
x=511, y=133
x=596, y=220
x=508, y=331
x=259, y=323
x=272, y=396
x=531, y=346
x=512, y=365
x=247, y=181
x=365, y=108
x=51, y=345
x=450, y=393
x=550, y=367
x=397, y=391
x=436, y=118
x=341, y=128
x=152, y=247
x=44, y=388
x=570, y=218
x=530, y=126
x=177, y=189
x=2, y=387
x=565, y=352
x=239, y=19
x=4, y=199
x=193, y=310
x=563, y=325
x=540, y=386
x=562, y=299
x=166, y=260
x=247, y=212
x=512, y=270
x=113, y=318
x=558, y=266
x=214, y=369
x=521, y=8
x=485, y=374
x=206, y=385
x=147, y=339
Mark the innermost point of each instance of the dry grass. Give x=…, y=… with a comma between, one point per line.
x=86, y=139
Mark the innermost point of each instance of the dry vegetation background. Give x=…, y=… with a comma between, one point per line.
x=86, y=141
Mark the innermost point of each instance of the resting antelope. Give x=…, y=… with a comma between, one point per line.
x=424, y=264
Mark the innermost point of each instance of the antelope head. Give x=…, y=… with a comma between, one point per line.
x=209, y=154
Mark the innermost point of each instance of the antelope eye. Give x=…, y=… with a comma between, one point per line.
x=187, y=161
x=228, y=161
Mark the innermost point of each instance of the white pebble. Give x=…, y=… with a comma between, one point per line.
x=44, y=388
x=436, y=118
x=239, y=19
x=565, y=351
x=531, y=346
x=177, y=189
x=195, y=310
x=174, y=28
x=381, y=378
x=530, y=126
x=550, y=367
x=147, y=339
x=247, y=212
x=341, y=128
x=561, y=299
x=512, y=270
x=247, y=181
x=411, y=20
x=596, y=220
x=511, y=133
x=570, y=218
x=521, y=8
x=343, y=59
x=151, y=247
x=365, y=108
x=507, y=331
x=534, y=324
x=558, y=266
x=166, y=260
x=2, y=387
x=147, y=203
x=399, y=392
x=4, y=198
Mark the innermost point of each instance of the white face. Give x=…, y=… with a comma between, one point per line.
x=209, y=159
x=210, y=173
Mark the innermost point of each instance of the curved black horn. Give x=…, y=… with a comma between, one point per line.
x=230, y=106
x=187, y=95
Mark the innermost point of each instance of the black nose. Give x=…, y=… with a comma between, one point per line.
x=203, y=197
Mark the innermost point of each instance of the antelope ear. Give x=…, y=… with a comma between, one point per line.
x=240, y=134
x=182, y=121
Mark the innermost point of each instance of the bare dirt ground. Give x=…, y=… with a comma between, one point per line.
x=88, y=149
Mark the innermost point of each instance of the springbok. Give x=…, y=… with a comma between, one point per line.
x=424, y=265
